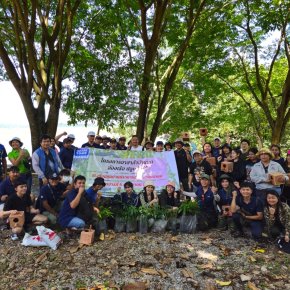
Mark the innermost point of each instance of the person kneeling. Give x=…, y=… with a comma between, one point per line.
x=247, y=211
x=20, y=201
x=68, y=214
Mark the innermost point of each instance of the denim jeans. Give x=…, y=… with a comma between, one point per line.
x=76, y=223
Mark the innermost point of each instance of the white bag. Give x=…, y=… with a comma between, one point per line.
x=34, y=241
x=49, y=237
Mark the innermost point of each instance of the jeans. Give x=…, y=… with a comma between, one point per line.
x=240, y=222
x=76, y=223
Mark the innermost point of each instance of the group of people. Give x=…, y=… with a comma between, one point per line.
x=241, y=194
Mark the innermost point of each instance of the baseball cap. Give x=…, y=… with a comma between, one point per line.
x=196, y=152
x=91, y=133
x=217, y=138
x=54, y=176
x=99, y=181
x=71, y=136
x=205, y=176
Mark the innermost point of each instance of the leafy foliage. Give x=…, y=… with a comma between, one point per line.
x=189, y=207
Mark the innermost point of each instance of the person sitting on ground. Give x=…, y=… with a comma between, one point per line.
x=20, y=201
x=66, y=179
x=148, y=196
x=21, y=158
x=7, y=185
x=50, y=198
x=276, y=216
x=225, y=193
x=260, y=173
x=66, y=153
x=169, y=197
x=276, y=150
x=247, y=210
x=94, y=193
x=206, y=197
x=128, y=197
x=67, y=217
x=251, y=161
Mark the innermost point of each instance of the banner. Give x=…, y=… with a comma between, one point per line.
x=119, y=166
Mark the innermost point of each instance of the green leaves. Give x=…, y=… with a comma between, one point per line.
x=188, y=207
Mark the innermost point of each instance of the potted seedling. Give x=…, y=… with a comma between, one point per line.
x=131, y=214
x=171, y=214
x=144, y=215
x=102, y=216
x=188, y=209
x=160, y=221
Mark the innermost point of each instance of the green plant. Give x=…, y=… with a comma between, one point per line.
x=104, y=213
x=188, y=207
x=130, y=212
x=171, y=213
x=145, y=211
x=158, y=212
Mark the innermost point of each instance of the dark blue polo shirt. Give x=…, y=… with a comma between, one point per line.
x=6, y=187
x=255, y=205
x=88, y=145
x=66, y=156
x=205, y=199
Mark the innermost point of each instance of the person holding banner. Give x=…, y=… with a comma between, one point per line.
x=148, y=196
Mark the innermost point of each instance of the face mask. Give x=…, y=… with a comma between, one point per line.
x=67, y=179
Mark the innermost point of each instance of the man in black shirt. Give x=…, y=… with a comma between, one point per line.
x=21, y=202
x=183, y=159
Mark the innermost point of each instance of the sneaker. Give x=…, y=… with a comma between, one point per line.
x=14, y=237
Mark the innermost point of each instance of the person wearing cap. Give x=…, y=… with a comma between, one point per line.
x=247, y=210
x=159, y=146
x=50, y=197
x=217, y=149
x=3, y=162
x=113, y=144
x=245, y=146
x=127, y=197
x=7, y=185
x=198, y=168
x=94, y=193
x=169, y=197
x=66, y=153
x=91, y=141
x=148, y=146
x=148, y=196
x=21, y=158
x=98, y=141
x=260, y=173
x=134, y=144
x=45, y=161
x=276, y=216
x=105, y=144
x=183, y=160
x=225, y=192
x=20, y=201
x=122, y=144
x=286, y=189
x=206, y=197
x=60, y=144
x=168, y=146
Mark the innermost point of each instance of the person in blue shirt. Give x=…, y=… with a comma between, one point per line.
x=128, y=197
x=7, y=185
x=94, y=193
x=66, y=153
x=3, y=162
x=225, y=193
x=49, y=200
x=68, y=214
x=247, y=210
x=206, y=197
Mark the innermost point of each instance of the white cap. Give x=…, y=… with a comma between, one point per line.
x=217, y=138
x=71, y=136
x=196, y=152
x=91, y=133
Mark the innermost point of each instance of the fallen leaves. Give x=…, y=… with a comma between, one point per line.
x=186, y=273
x=76, y=248
x=135, y=286
x=152, y=271
x=41, y=258
x=260, y=251
x=252, y=286
x=206, y=255
x=245, y=278
x=252, y=259
x=223, y=283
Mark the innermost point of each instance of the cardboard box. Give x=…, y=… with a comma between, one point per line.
x=185, y=136
x=288, y=182
x=277, y=178
x=17, y=219
x=211, y=161
x=87, y=237
x=227, y=166
x=203, y=131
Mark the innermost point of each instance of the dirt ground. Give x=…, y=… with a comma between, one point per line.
x=212, y=260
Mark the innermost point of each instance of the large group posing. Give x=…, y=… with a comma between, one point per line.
x=235, y=188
